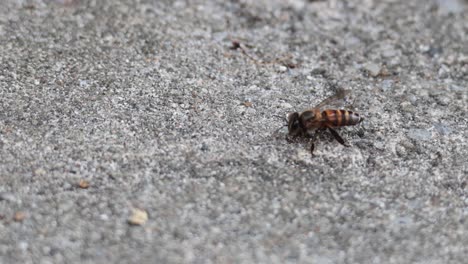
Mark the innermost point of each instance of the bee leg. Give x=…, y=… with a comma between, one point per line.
x=312, y=147
x=290, y=139
x=338, y=137
x=313, y=139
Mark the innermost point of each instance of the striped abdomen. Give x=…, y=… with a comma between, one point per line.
x=337, y=118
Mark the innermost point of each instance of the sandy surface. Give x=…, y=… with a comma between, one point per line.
x=110, y=106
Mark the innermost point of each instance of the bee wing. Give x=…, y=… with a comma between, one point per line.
x=338, y=100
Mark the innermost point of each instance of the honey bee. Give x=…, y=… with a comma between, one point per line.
x=312, y=122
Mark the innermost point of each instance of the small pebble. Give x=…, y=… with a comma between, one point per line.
x=204, y=147
x=318, y=71
x=19, y=216
x=410, y=195
x=419, y=134
x=282, y=68
x=443, y=71
x=248, y=104
x=443, y=100
x=442, y=129
x=138, y=217
x=407, y=107
x=104, y=217
x=387, y=85
x=389, y=52
x=39, y=172
x=9, y=197
x=23, y=246
x=83, y=184
x=446, y=7
x=372, y=68
x=286, y=105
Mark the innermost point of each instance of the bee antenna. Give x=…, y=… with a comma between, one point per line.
x=278, y=116
x=276, y=131
x=281, y=117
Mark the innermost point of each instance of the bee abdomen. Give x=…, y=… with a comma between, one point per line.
x=353, y=118
x=341, y=117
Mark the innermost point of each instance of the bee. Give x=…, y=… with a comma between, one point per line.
x=312, y=122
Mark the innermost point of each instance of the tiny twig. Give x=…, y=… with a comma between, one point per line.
x=237, y=45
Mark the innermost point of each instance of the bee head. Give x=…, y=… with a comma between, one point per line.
x=294, y=124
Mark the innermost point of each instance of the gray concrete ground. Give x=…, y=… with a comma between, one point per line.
x=146, y=102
